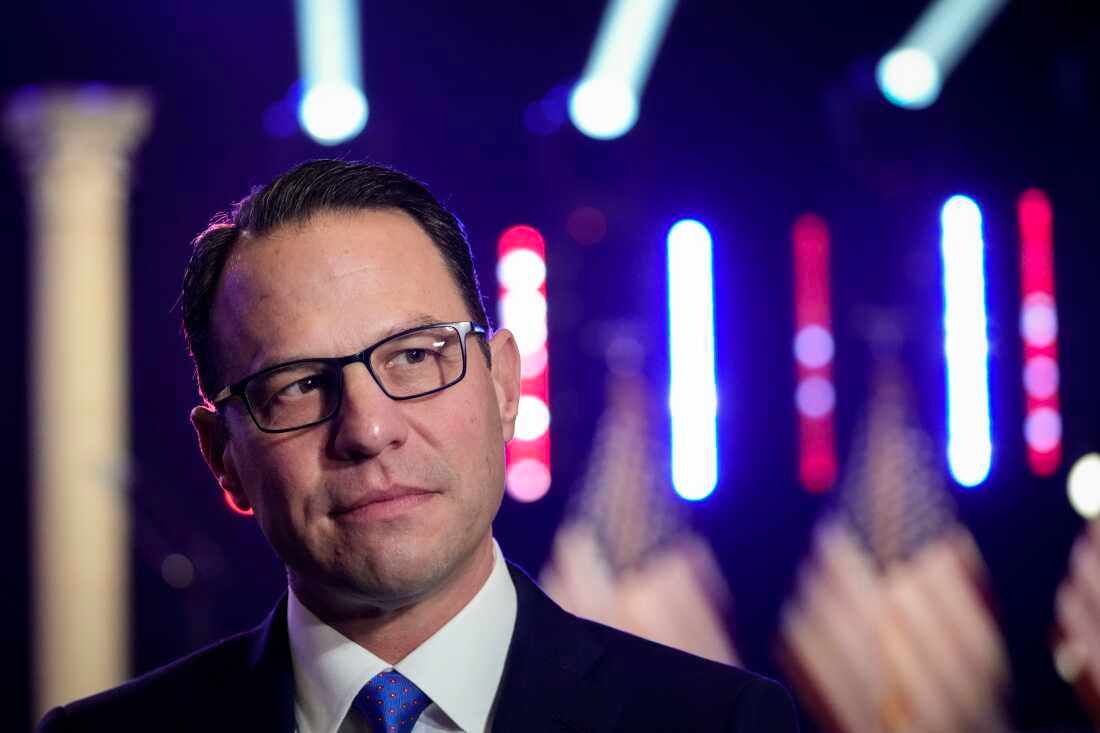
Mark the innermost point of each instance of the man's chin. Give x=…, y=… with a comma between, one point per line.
x=381, y=578
x=393, y=591
x=378, y=591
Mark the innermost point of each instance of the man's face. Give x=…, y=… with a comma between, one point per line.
x=388, y=501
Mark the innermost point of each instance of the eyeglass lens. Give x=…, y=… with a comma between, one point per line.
x=406, y=366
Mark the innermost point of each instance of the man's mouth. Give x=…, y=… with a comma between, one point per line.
x=384, y=504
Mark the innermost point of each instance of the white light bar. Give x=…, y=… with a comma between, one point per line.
x=966, y=344
x=693, y=393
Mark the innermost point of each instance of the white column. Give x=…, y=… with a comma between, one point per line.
x=75, y=145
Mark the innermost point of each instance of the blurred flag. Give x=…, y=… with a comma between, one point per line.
x=624, y=556
x=1077, y=621
x=890, y=629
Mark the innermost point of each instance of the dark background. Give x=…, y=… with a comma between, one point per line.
x=755, y=112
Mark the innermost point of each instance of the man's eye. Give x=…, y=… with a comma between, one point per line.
x=411, y=356
x=302, y=387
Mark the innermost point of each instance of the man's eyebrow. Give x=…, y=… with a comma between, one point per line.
x=414, y=321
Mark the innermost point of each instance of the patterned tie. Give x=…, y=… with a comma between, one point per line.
x=391, y=703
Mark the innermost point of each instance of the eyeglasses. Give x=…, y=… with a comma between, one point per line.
x=305, y=392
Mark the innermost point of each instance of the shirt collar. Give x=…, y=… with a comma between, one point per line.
x=459, y=667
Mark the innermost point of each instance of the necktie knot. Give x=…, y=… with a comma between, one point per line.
x=391, y=703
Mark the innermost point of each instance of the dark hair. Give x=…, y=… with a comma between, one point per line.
x=308, y=189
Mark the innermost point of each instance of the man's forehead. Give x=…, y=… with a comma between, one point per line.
x=351, y=273
x=386, y=247
x=342, y=238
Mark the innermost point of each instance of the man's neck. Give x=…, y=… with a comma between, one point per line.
x=392, y=634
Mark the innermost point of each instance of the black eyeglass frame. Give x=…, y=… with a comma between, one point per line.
x=237, y=389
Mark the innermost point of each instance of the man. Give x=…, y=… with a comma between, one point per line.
x=356, y=402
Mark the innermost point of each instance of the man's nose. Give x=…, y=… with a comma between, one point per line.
x=368, y=421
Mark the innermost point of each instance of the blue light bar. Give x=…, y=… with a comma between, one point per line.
x=966, y=344
x=333, y=108
x=693, y=393
x=604, y=103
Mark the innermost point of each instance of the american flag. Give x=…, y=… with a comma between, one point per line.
x=624, y=556
x=1077, y=621
x=890, y=628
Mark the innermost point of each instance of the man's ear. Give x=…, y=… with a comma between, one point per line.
x=506, y=378
x=214, y=443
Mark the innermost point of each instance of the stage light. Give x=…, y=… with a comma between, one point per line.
x=1039, y=332
x=532, y=364
x=522, y=270
x=333, y=108
x=521, y=275
x=909, y=77
x=815, y=395
x=527, y=480
x=603, y=108
x=966, y=344
x=1083, y=486
x=526, y=310
x=332, y=113
x=533, y=419
x=1043, y=429
x=813, y=346
x=1041, y=377
x=913, y=72
x=1039, y=320
x=604, y=103
x=693, y=393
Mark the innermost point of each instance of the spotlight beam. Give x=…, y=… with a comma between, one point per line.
x=604, y=103
x=913, y=72
x=333, y=108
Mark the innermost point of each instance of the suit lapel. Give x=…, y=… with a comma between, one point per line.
x=268, y=700
x=544, y=687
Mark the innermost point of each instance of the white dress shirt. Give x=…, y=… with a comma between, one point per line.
x=459, y=667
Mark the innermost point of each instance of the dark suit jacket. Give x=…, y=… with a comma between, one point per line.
x=562, y=674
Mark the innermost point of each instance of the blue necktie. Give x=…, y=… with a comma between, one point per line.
x=391, y=703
